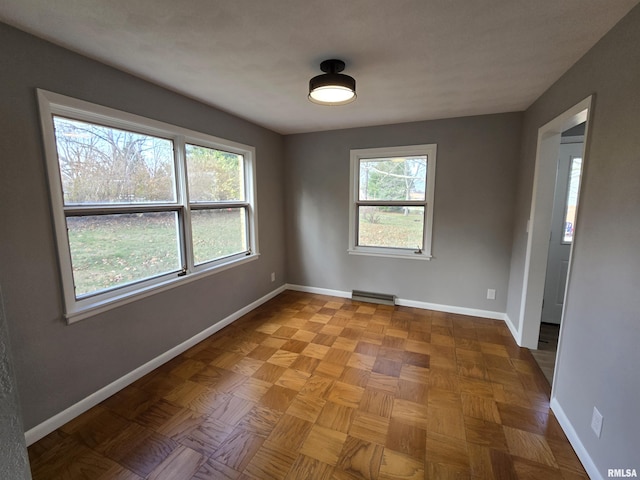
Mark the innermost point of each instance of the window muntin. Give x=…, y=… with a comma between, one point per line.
x=125, y=224
x=392, y=201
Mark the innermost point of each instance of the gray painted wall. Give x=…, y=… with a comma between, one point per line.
x=14, y=462
x=599, y=360
x=57, y=365
x=474, y=200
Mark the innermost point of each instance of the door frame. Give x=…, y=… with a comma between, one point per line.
x=570, y=148
x=539, y=224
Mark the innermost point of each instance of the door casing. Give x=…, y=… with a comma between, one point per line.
x=539, y=225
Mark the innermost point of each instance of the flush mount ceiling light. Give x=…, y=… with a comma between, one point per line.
x=332, y=87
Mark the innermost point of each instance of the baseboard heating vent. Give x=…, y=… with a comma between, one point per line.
x=371, y=297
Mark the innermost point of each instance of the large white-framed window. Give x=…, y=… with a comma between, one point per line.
x=391, y=195
x=140, y=205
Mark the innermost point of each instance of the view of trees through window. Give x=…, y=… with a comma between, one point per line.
x=386, y=215
x=216, y=186
x=123, y=216
x=101, y=164
x=214, y=175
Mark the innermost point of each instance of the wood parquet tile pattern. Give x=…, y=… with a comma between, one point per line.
x=316, y=387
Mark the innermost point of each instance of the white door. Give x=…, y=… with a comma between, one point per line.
x=562, y=227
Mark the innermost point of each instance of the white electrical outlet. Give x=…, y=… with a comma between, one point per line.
x=596, y=422
x=273, y=276
x=491, y=294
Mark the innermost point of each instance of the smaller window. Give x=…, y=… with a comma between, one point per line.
x=392, y=191
x=219, y=210
x=571, y=203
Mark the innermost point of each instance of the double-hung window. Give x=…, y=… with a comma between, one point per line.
x=140, y=205
x=392, y=192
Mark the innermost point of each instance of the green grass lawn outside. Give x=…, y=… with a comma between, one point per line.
x=390, y=229
x=113, y=250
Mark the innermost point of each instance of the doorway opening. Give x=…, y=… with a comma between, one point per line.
x=563, y=224
x=547, y=177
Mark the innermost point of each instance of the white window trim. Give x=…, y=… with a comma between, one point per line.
x=78, y=309
x=402, y=151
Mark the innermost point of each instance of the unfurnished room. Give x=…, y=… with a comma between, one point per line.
x=292, y=240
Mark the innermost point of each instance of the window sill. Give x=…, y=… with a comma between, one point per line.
x=105, y=304
x=408, y=255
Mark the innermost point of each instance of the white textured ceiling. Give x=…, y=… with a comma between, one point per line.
x=412, y=59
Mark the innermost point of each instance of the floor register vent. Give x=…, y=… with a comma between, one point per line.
x=371, y=297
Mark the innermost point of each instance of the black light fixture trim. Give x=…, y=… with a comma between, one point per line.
x=344, y=85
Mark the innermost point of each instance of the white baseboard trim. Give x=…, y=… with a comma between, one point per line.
x=473, y=312
x=575, y=442
x=55, y=422
x=514, y=331
x=319, y=291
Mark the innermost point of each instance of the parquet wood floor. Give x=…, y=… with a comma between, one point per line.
x=316, y=387
x=545, y=356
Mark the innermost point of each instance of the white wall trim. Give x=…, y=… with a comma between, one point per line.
x=319, y=291
x=473, y=312
x=55, y=422
x=575, y=442
x=544, y=180
x=515, y=333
